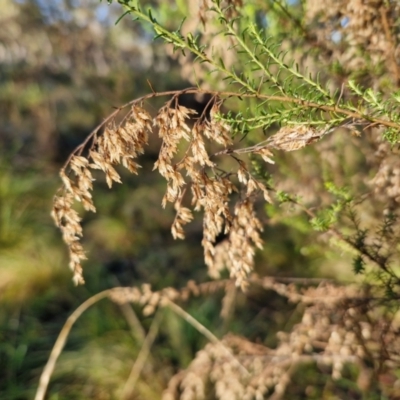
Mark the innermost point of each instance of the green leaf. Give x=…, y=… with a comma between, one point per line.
x=358, y=265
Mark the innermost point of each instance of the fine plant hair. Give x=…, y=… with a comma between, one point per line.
x=268, y=106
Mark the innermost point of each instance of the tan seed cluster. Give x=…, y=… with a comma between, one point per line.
x=294, y=138
x=243, y=236
x=338, y=328
x=358, y=26
x=150, y=299
x=386, y=182
x=118, y=145
x=209, y=193
x=172, y=129
x=185, y=161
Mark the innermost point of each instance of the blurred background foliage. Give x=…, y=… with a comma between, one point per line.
x=65, y=65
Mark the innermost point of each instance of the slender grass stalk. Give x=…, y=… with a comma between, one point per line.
x=61, y=340
x=143, y=355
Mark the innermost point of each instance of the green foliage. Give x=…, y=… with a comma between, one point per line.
x=288, y=96
x=358, y=265
x=328, y=217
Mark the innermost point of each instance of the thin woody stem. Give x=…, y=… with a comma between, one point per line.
x=284, y=99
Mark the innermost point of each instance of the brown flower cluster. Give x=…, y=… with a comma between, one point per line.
x=357, y=30
x=188, y=166
x=237, y=252
x=338, y=328
x=210, y=191
x=294, y=138
x=386, y=182
x=118, y=145
x=150, y=299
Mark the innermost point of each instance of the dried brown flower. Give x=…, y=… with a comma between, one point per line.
x=186, y=162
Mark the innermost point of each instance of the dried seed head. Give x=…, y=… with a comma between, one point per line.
x=211, y=187
x=293, y=138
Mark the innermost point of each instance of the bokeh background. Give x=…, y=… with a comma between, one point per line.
x=64, y=66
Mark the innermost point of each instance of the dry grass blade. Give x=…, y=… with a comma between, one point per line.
x=61, y=340
x=207, y=333
x=143, y=355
